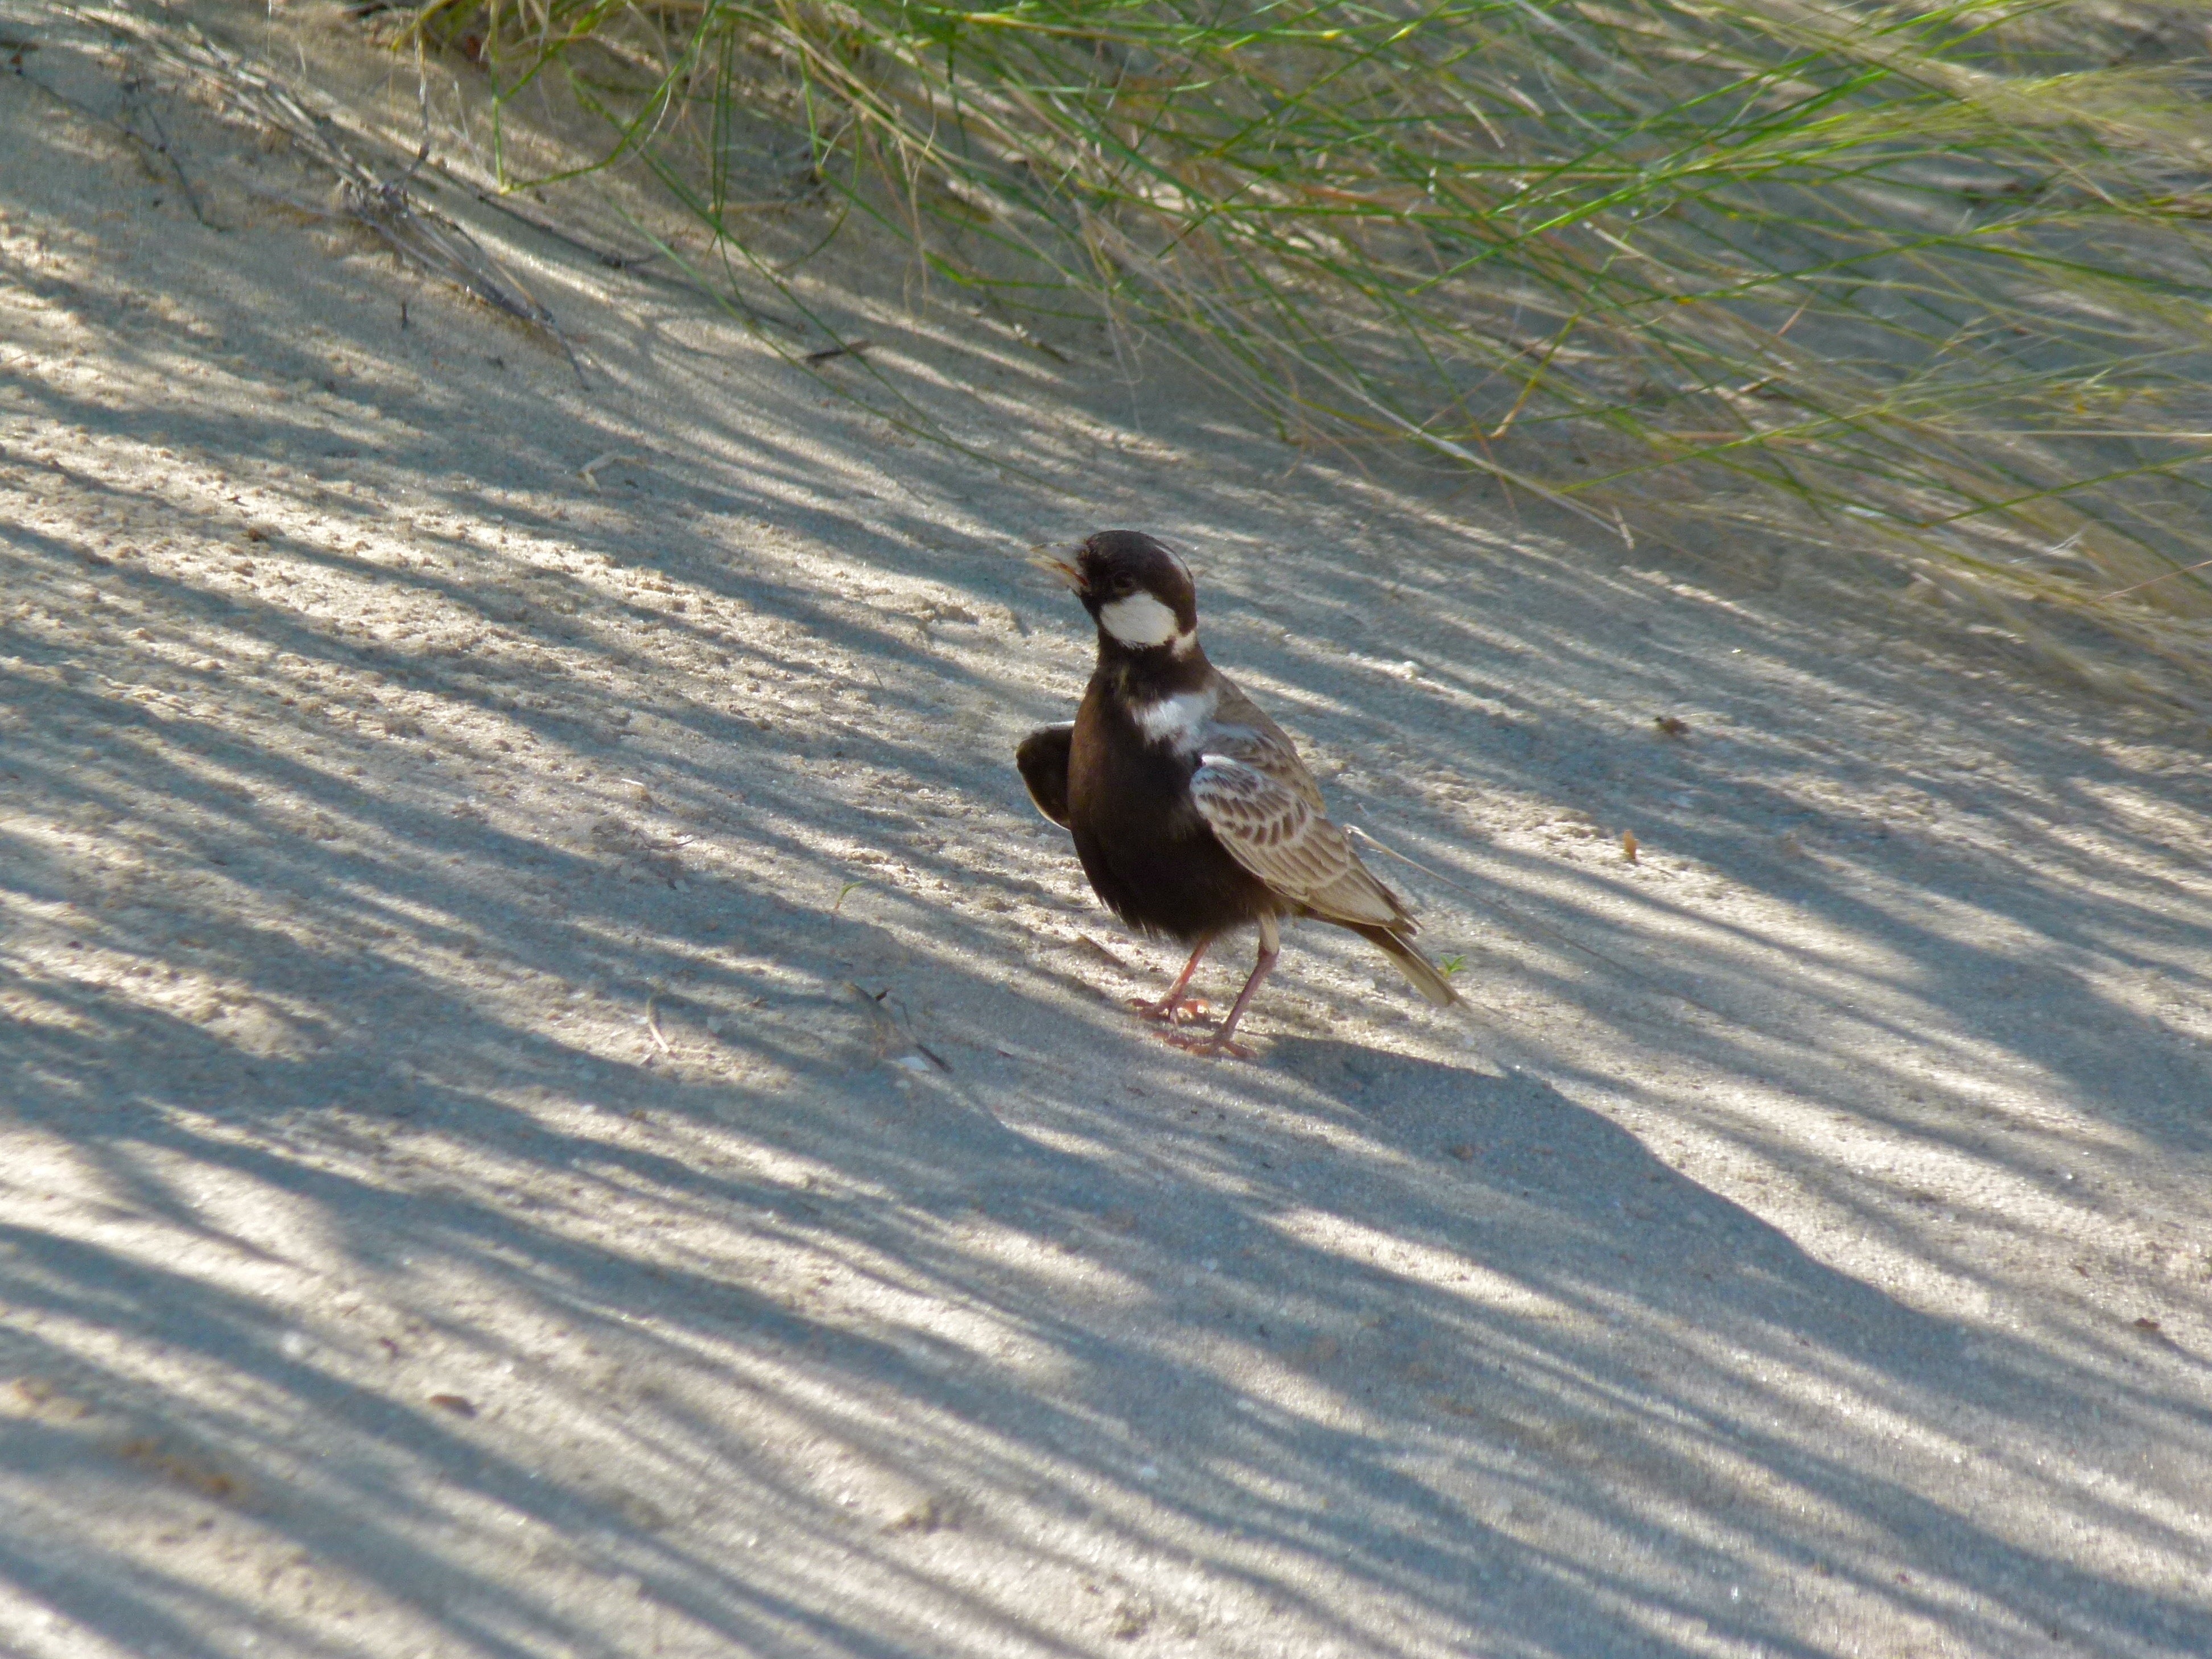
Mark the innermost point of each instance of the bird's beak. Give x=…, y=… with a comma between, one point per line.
x=1058, y=564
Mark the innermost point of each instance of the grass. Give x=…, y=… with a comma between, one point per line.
x=1930, y=282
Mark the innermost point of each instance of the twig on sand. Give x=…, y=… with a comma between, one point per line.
x=653, y=1022
x=443, y=248
x=589, y=472
x=388, y=206
x=610, y=259
x=634, y=265
x=158, y=145
x=843, y=349
x=161, y=146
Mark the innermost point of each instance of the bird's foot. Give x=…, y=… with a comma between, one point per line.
x=1172, y=1011
x=1192, y=1042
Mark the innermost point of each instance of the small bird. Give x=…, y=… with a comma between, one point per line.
x=1191, y=810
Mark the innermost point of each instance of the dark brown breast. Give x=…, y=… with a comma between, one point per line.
x=1150, y=857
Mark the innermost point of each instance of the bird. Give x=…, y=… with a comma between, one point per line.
x=1192, y=813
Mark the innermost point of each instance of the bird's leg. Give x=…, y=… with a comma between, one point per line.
x=1271, y=942
x=1175, y=1005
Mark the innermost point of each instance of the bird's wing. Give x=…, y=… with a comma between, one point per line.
x=1281, y=836
x=1242, y=730
x=1042, y=758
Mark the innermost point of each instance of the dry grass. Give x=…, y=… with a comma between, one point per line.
x=1926, y=280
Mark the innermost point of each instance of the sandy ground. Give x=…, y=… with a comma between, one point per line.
x=559, y=1101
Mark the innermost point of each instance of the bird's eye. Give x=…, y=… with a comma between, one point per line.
x=1124, y=586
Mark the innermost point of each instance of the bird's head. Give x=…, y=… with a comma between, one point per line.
x=1138, y=593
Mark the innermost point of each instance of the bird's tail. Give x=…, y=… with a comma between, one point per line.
x=1411, y=963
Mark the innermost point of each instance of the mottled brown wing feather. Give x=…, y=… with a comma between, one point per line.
x=1274, y=831
x=1243, y=731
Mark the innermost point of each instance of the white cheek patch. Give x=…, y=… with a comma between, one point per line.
x=1180, y=721
x=1140, y=619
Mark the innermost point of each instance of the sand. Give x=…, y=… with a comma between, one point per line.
x=556, y=1098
